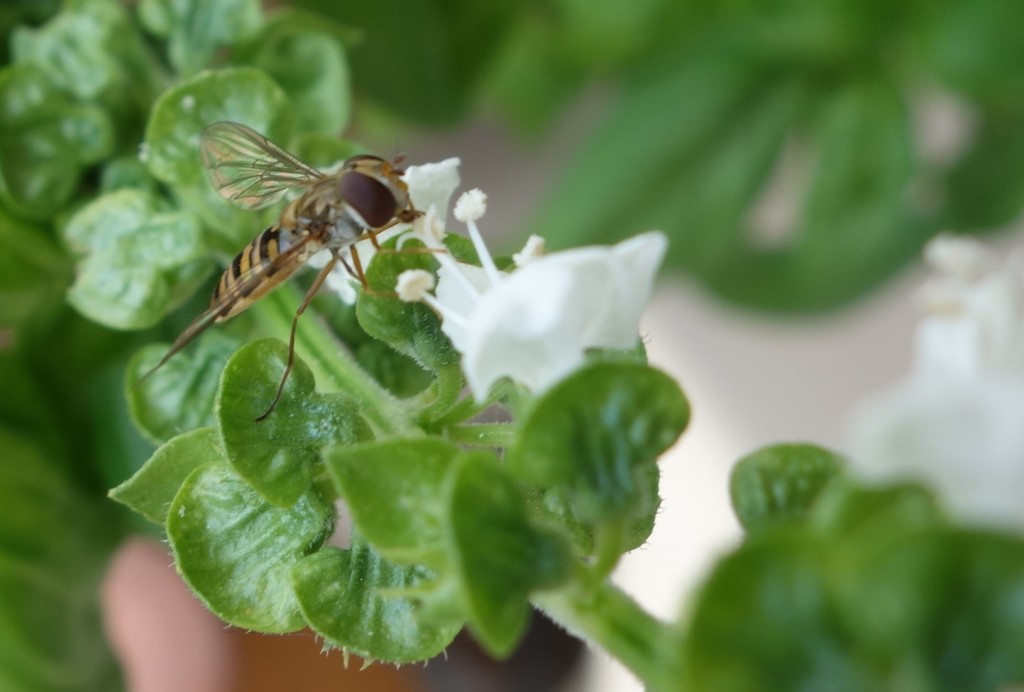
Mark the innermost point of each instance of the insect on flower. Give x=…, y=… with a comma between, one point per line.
x=334, y=211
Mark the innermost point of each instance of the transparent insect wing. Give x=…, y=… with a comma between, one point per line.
x=248, y=169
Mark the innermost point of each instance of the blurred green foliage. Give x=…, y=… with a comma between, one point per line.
x=848, y=588
x=706, y=103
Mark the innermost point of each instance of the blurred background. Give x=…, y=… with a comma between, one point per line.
x=798, y=153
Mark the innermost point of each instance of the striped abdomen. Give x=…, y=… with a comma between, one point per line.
x=259, y=268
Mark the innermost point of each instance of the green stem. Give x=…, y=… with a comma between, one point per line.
x=333, y=365
x=609, y=618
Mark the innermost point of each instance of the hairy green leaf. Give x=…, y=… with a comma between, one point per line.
x=780, y=483
x=278, y=454
x=153, y=487
x=179, y=395
x=423, y=502
x=353, y=599
x=236, y=551
x=394, y=489
x=498, y=555
x=593, y=434
x=412, y=329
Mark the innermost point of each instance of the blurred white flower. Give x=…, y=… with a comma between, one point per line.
x=957, y=423
x=431, y=187
x=535, y=323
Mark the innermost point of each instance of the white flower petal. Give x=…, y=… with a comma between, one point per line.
x=958, y=256
x=962, y=439
x=433, y=184
x=957, y=424
x=452, y=295
x=535, y=324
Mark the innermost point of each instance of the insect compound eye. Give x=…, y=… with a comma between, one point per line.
x=368, y=196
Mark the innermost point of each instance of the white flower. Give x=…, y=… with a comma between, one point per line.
x=535, y=323
x=431, y=187
x=957, y=423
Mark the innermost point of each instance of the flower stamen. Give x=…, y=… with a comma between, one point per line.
x=414, y=286
x=471, y=206
x=533, y=249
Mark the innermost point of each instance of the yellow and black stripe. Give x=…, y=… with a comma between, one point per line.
x=261, y=253
x=259, y=268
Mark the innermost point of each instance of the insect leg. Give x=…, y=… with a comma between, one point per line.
x=358, y=264
x=317, y=283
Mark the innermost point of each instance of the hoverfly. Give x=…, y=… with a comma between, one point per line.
x=334, y=211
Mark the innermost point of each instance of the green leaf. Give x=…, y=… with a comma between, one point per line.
x=875, y=592
x=610, y=36
x=352, y=598
x=245, y=95
x=33, y=270
x=137, y=262
x=53, y=550
x=412, y=329
x=986, y=186
x=857, y=225
x=396, y=372
x=848, y=509
x=684, y=148
x=45, y=142
x=593, y=434
x=278, y=454
x=423, y=502
x=421, y=58
x=93, y=51
x=153, y=487
x=972, y=47
x=309, y=65
x=532, y=80
x=394, y=489
x=780, y=483
x=963, y=606
x=236, y=551
x=763, y=622
x=20, y=12
x=127, y=172
x=556, y=505
x=691, y=145
x=499, y=557
x=195, y=30
x=180, y=395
